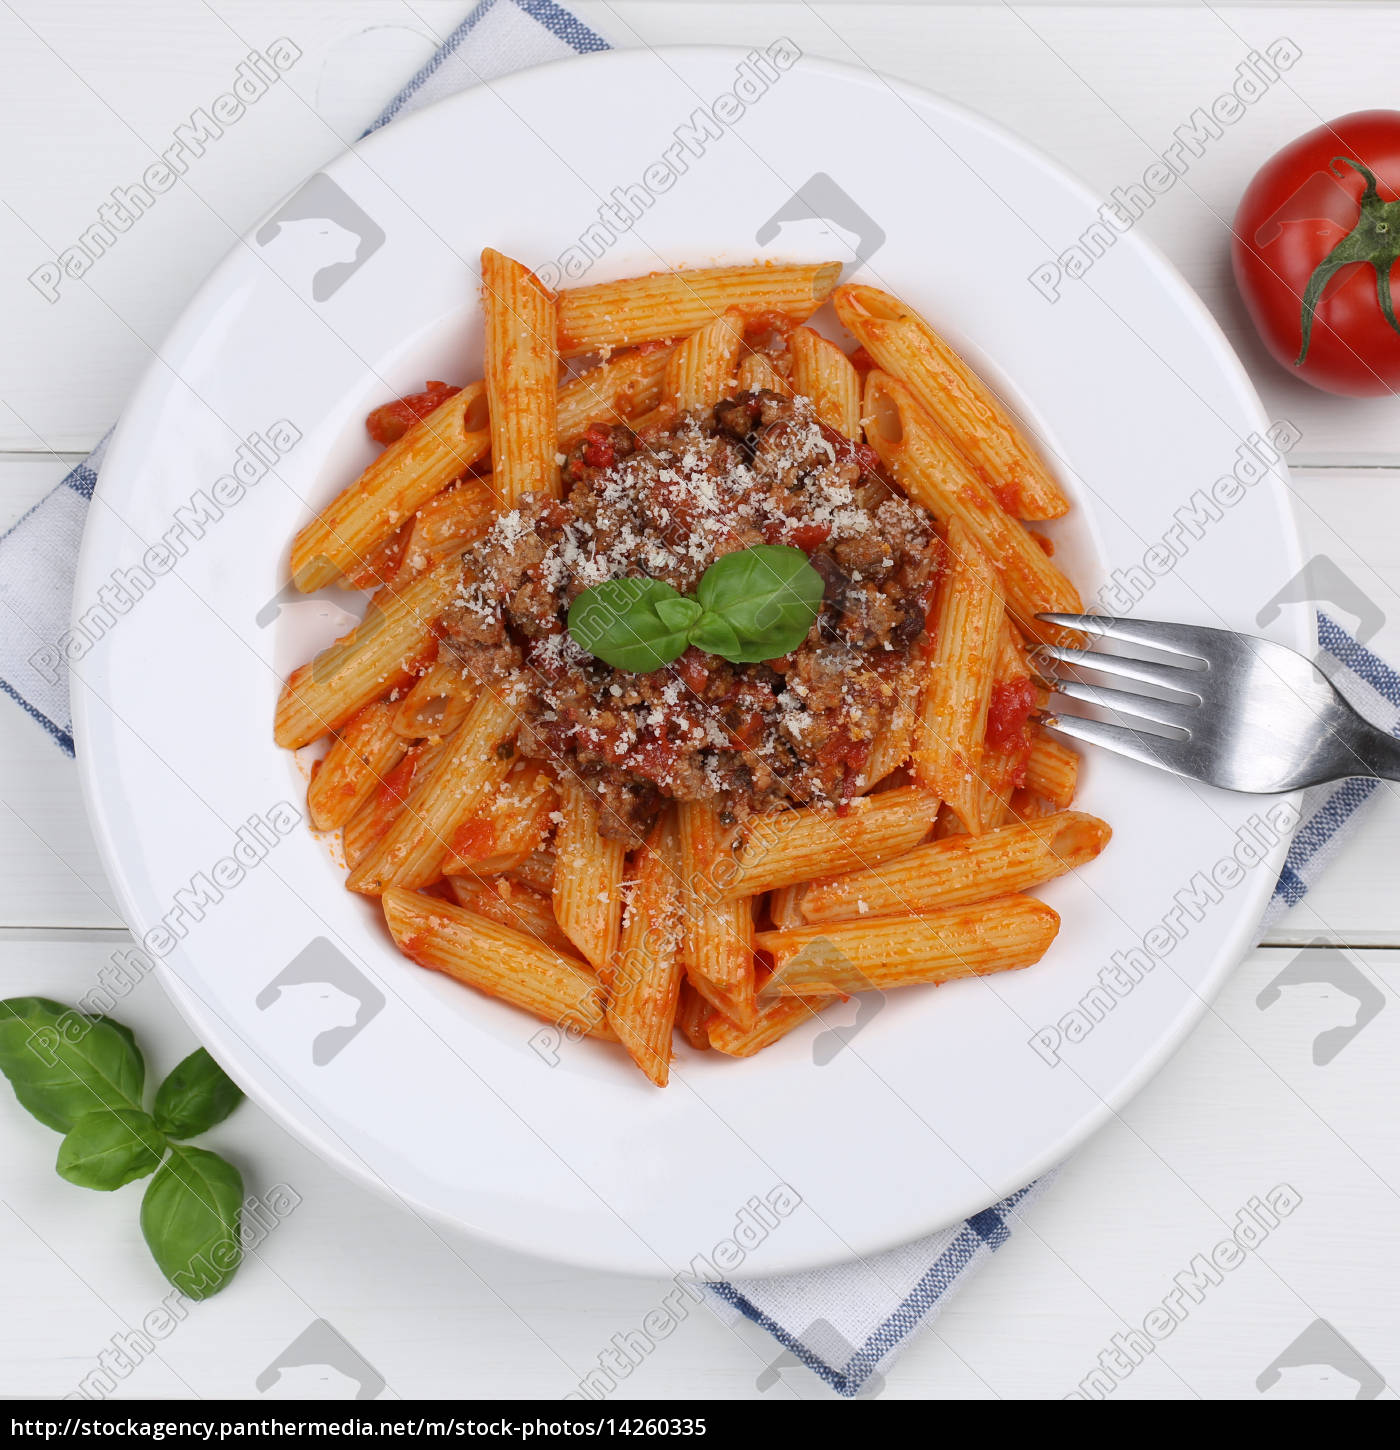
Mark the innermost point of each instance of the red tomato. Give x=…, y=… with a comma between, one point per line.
x=1011, y=708
x=389, y=423
x=694, y=673
x=1316, y=239
x=598, y=449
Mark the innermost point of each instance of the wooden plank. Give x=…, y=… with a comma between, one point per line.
x=50, y=874
x=1098, y=1252
x=1102, y=89
x=420, y=1294
x=1240, y=1109
x=110, y=102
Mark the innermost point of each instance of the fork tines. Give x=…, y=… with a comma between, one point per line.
x=1168, y=721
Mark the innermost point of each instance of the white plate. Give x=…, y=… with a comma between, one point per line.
x=363, y=286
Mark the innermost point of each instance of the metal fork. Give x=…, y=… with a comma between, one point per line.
x=1243, y=713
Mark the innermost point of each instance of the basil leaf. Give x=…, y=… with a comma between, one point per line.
x=190, y=1218
x=120, y=1027
x=768, y=595
x=109, y=1147
x=197, y=1094
x=63, y=1064
x=679, y=613
x=618, y=621
x=715, y=635
x=754, y=604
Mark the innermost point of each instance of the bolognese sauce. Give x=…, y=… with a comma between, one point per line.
x=757, y=469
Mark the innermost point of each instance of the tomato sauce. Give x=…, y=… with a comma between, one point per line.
x=393, y=791
x=389, y=423
x=1008, y=722
x=475, y=839
x=598, y=449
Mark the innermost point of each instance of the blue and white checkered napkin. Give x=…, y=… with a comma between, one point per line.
x=847, y=1323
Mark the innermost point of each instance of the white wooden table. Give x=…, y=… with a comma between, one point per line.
x=90, y=86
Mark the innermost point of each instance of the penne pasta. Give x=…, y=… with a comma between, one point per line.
x=498, y=961
x=374, y=817
x=717, y=947
x=437, y=702
x=587, y=877
x=659, y=417
x=892, y=747
x=483, y=731
x=536, y=871
x=757, y=373
x=1007, y=748
x=1027, y=806
x=673, y=304
x=778, y=1017
x=702, y=369
x=974, y=419
x=382, y=564
x=445, y=525
x=932, y=472
x=645, y=986
x=951, y=728
x=365, y=751
x=993, y=804
x=433, y=452
x=785, y=906
x=470, y=769
x=381, y=654
x=693, y=1017
x=959, y=870
x=823, y=373
x=841, y=957
x=798, y=845
x=521, y=380
x=506, y=829
x=617, y=391
x=511, y=905
x=1052, y=769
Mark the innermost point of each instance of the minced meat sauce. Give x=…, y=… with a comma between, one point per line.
x=758, y=469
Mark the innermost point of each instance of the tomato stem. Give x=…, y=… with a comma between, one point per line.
x=1375, y=239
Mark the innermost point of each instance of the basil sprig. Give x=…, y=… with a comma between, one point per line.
x=84, y=1076
x=190, y=1218
x=110, y=1147
x=754, y=604
x=62, y=1064
x=197, y=1094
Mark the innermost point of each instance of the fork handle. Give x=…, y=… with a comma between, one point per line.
x=1377, y=752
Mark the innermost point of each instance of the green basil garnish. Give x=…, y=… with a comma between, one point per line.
x=754, y=604
x=190, y=1219
x=197, y=1094
x=767, y=596
x=109, y=1147
x=84, y=1075
x=63, y=1064
x=633, y=624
